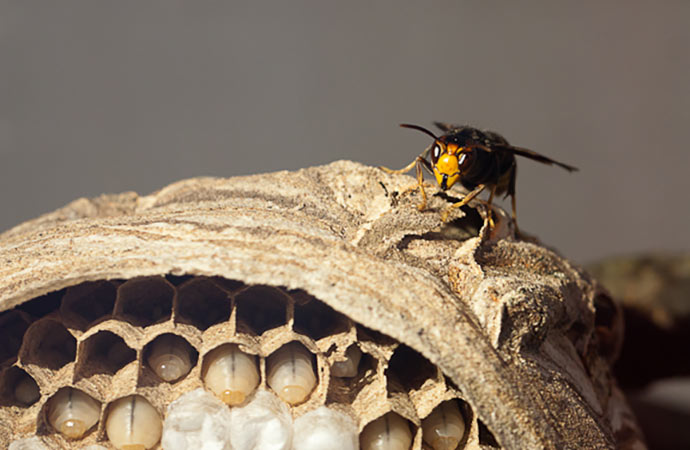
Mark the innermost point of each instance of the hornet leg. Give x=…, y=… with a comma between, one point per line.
x=463, y=202
x=418, y=163
x=511, y=192
x=489, y=209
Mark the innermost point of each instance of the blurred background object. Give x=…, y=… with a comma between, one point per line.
x=654, y=364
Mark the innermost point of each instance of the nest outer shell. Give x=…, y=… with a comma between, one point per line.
x=511, y=323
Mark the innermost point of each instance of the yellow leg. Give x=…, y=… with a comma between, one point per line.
x=403, y=170
x=417, y=164
x=489, y=209
x=420, y=182
x=463, y=202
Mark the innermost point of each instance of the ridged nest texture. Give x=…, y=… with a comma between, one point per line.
x=519, y=339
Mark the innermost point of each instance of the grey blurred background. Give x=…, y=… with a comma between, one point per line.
x=113, y=96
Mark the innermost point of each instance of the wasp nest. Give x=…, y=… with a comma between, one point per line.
x=315, y=309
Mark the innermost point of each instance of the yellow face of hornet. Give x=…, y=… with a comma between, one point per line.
x=444, y=161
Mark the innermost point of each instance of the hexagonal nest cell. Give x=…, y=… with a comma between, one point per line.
x=18, y=388
x=345, y=389
x=13, y=325
x=145, y=301
x=294, y=371
x=103, y=352
x=202, y=303
x=261, y=308
x=316, y=319
x=409, y=370
x=47, y=343
x=170, y=357
x=86, y=303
